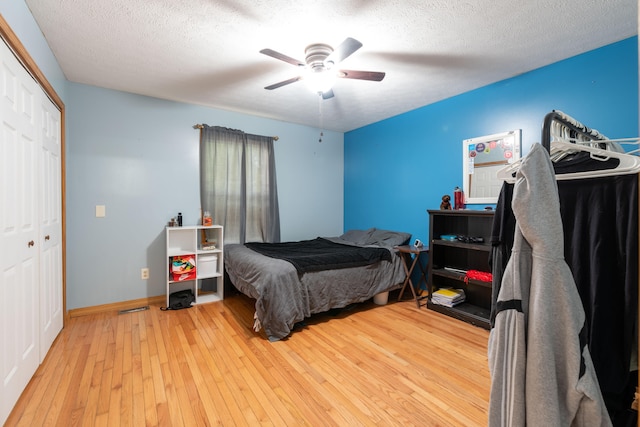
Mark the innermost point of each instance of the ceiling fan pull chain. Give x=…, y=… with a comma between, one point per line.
x=320, y=111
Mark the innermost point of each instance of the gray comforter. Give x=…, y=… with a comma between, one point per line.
x=283, y=297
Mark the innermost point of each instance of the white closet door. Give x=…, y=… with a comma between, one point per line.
x=19, y=240
x=50, y=209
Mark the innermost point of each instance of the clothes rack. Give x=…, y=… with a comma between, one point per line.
x=558, y=117
x=600, y=227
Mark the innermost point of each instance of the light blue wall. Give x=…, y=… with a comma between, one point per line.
x=19, y=18
x=398, y=168
x=138, y=156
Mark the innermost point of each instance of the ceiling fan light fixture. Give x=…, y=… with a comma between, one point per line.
x=319, y=80
x=318, y=73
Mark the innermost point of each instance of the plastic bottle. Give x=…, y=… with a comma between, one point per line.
x=206, y=218
x=179, y=219
x=458, y=198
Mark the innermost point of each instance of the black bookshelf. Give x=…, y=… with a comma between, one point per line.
x=450, y=259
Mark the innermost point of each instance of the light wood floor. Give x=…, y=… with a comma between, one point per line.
x=368, y=365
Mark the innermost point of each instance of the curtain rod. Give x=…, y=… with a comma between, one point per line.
x=199, y=126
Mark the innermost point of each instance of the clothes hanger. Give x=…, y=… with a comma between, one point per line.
x=604, y=144
x=628, y=163
x=607, y=144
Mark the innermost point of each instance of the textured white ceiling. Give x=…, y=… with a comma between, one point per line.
x=207, y=52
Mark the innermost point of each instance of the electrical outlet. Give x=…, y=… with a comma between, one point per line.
x=144, y=273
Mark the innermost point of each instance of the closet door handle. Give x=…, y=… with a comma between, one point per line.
x=46, y=237
x=31, y=243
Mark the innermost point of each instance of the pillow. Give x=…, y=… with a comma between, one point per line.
x=359, y=237
x=388, y=238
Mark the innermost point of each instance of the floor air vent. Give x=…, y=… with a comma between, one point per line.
x=133, y=310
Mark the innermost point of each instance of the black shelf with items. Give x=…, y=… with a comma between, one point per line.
x=450, y=259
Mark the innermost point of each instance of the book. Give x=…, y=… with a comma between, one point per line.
x=448, y=293
x=448, y=297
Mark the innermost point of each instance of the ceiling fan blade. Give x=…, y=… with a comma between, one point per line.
x=328, y=94
x=277, y=55
x=283, y=83
x=345, y=49
x=361, y=75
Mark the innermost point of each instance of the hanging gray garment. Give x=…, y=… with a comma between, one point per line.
x=541, y=369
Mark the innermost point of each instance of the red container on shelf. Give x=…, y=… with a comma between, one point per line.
x=458, y=198
x=183, y=268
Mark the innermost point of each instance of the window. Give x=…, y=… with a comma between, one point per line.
x=238, y=184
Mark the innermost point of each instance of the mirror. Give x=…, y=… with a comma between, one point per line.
x=482, y=157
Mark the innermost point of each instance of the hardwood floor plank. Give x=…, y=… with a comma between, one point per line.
x=56, y=389
x=365, y=365
x=91, y=405
x=160, y=386
x=151, y=401
x=104, y=393
x=151, y=405
x=126, y=398
x=64, y=400
x=183, y=378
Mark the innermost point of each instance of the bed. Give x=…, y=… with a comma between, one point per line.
x=314, y=276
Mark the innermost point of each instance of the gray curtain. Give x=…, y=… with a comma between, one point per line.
x=238, y=184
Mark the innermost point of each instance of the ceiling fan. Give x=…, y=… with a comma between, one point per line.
x=320, y=60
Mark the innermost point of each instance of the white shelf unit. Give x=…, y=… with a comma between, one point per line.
x=208, y=286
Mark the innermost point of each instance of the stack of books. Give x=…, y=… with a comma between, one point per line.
x=448, y=297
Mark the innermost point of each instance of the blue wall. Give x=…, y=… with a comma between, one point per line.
x=398, y=168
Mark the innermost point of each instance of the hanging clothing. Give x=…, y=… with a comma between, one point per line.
x=541, y=369
x=502, y=232
x=600, y=222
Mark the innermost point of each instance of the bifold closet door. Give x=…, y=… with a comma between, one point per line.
x=50, y=224
x=19, y=238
